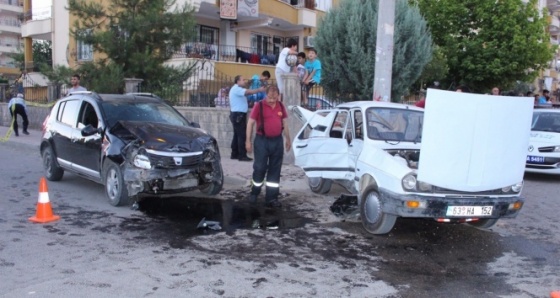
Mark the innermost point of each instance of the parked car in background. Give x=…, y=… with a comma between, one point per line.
x=543, y=154
x=373, y=150
x=135, y=145
x=319, y=102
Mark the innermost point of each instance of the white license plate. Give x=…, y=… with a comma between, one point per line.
x=179, y=183
x=469, y=210
x=535, y=159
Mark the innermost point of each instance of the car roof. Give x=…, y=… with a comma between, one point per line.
x=376, y=104
x=127, y=98
x=546, y=110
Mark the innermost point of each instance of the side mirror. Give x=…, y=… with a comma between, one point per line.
x=89, y=130
x=195, y=124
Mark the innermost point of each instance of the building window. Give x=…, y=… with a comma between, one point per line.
x=84, y=50
x=206, y=34
x=261, y=44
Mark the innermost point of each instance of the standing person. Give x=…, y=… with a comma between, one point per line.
x=302, y=73
x=282, y=67
x=422, y=102
x=75, y=82
x=313, y=67
x=495, y=91
x=270, y=117
x=257, y=82
x=545, y=96
x=17, y=106
x=238, y=117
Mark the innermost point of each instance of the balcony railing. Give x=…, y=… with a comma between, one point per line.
x=309, y=4
x=11, y=2
x=226, y=53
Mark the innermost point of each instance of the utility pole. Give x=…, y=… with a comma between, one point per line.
x=384, y=50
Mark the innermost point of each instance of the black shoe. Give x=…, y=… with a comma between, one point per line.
x=245, y=158
x=16, y=133
x=252, y=199
x=274, y=204
x=25, y=132
x=234, y=156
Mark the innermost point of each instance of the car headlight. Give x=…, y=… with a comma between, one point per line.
x=556, y=149
x=409, y=182
x=517, y=187
x=142, y=161
x=423, y=186
x=506, y=189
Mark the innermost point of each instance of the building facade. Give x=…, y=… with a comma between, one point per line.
x=10, y=36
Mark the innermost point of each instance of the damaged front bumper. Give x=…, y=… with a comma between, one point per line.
x=425, y=206
x=166, y=181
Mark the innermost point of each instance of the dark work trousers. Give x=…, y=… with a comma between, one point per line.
x=19, y=109
x=239, y=122
x=268, y=153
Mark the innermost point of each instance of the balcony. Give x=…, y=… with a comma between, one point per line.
x=10, y=6
x=10, y=25
x=553, y=5
x=553, y=24
x=226, y=53
x=37, y=29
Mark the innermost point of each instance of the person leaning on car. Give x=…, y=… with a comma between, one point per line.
x=238, y=116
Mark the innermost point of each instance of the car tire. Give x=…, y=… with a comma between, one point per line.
x=53, y=172
x=484, y=223
x=374, y=220
x=216, y=186
x=319, y=185
x=115, y=188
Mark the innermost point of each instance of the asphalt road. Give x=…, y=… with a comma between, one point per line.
x=301, y=250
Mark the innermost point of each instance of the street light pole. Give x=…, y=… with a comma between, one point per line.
x=384, y=50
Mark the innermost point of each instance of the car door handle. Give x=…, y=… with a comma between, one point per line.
x=301, y=146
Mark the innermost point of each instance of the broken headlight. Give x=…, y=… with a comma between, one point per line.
x=142, y=161
x=409, y=182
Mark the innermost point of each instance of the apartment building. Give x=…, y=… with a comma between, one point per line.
x=10, y=35
x=247, y=43
x=550, y=77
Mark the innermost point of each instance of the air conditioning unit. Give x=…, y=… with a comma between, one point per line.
x=309, y=41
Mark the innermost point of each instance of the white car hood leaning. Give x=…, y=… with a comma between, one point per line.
x=473, y=142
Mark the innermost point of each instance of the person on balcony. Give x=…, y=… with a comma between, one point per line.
x=282, y=67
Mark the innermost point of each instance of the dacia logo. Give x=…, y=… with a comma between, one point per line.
x=531, y=148
x=178, y=161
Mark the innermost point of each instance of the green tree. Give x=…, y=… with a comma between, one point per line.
x=136, y=36
x=42, y=55
x=436, y=70
x=487, y=42
x=346, y=43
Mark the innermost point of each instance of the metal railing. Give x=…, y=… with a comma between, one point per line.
x=226, y=53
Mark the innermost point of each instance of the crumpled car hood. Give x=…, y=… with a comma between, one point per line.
x=163, y=137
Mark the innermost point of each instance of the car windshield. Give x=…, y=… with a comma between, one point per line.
x=389, y=124
x=546, y=121
x=141, y=111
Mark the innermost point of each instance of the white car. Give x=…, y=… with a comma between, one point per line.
x=373, y=150
x=544, y=148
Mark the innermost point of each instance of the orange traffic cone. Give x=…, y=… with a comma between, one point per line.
x=555, y=294
x=44, y=211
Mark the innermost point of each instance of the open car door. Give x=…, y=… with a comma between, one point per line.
x=321, y=148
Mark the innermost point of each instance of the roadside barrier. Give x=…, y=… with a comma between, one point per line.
x=44, y=212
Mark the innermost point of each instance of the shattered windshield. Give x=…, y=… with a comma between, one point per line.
x=389, y=124
x=546, y=121
x=141, y=111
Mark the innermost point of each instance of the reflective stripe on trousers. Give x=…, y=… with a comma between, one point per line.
x=268, y=153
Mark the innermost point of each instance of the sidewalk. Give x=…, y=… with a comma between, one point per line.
x=237, y=174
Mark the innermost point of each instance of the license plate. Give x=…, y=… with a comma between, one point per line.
x=535, y=159
x=469, y=211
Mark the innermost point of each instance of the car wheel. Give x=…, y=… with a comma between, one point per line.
x=53, y=172
x=115, y=189
x=374, y=220
x=217, y=182
x=484, y=223
x=319, y=185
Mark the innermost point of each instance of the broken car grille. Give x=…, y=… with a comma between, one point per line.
x=174, y=160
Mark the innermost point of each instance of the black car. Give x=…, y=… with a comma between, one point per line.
x=135, y=145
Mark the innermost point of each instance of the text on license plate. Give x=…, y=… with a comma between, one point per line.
x=535, y=159
x=469, y=210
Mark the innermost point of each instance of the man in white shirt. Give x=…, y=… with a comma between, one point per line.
x=282, y=67
x=75, y=81
x=17, y=106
